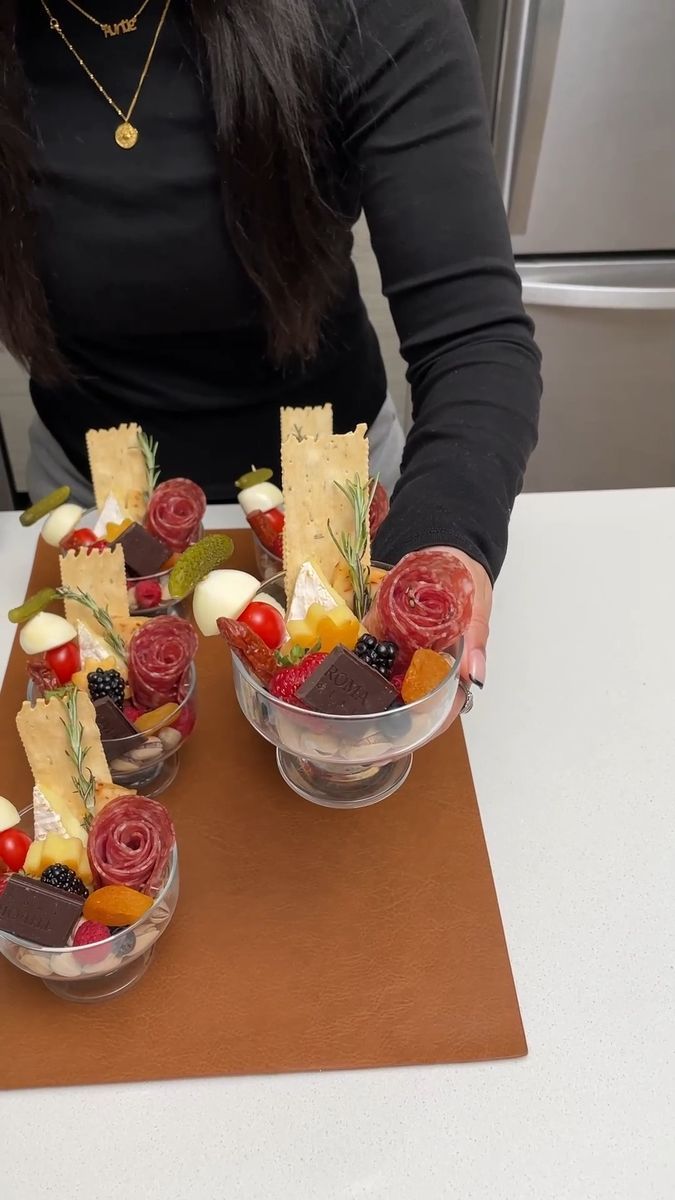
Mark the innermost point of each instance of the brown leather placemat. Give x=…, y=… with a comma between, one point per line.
x=304, y=939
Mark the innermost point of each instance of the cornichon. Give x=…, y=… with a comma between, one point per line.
x=44, y=506
x=196, y=562
x=33, y=605
x=252, y=477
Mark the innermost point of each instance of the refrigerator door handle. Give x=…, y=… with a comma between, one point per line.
x=587, y=295
x=531, y=38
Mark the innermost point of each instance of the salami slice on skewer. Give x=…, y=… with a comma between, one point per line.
x=175, y=513
x=130, y=842
x=160, y=654
x=423, y=603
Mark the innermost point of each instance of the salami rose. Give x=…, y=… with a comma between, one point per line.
x=423, y=603
x=379, y=507
x=160, y=653
x=130, y=842
x=175, y=513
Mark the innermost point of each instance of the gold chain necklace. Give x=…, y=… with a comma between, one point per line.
x=126, y=135
x=124, y=26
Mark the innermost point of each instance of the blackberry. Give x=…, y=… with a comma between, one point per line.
x=378, y=655
x=66, y=880
x=106, y=683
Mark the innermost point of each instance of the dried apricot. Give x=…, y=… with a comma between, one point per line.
x=116, y=905
x=427, y=669
x=155, y=717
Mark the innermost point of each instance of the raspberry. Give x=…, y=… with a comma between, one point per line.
x=285, y=683
x=85, y=934
x=132, y=712
x=397, y=681
x=148, y=593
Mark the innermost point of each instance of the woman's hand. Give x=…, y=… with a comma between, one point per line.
x=473, y=666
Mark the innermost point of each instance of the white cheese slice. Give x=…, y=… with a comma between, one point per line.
x=311, y=587
x=45, y=820
x=91, y=647
x=111, y=514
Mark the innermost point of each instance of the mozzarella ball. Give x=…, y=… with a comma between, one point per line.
x=45, y=632
x=260, y=498
x=222, y=594
x=60, y=523
x=9, y=816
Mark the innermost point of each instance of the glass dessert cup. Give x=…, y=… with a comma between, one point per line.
x=267, y=564
x=344, y=761
x=71, y=972
x=136, y=584
x=148, y=762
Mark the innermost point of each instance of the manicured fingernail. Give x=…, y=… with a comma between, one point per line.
x=477, y=668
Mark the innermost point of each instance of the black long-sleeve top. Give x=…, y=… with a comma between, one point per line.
x=157, y=316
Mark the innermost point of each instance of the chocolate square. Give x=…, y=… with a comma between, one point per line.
x=113, y=726
x=37, y=912
x=343, y=685
x=143, y=553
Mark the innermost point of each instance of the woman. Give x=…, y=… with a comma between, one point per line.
x=177, y=190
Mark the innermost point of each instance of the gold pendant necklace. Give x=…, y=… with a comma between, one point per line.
x=124, y=26
x=126, y=134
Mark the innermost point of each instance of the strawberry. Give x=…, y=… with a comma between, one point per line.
x=269, y=528
x=286, y=681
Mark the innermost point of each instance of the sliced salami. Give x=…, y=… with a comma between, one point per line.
x=175, y=513
x=130, y=842
x=379, y=507
x=423, y=603
x=160, y=653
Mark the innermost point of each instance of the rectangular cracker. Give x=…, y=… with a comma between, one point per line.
x=45, y=741
x=107, y=792
x=314, y=421
x=310, y=469
x=118, y=468
x=101, y=575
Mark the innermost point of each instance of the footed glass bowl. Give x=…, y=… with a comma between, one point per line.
x=148, y=762
x=344, y=761
x=142, y=590
x=104, y=969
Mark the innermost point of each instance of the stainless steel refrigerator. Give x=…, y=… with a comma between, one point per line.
x=581, y=95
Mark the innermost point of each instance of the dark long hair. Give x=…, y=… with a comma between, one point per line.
x=269, y=77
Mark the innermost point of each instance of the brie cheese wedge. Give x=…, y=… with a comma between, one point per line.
x=91, y=647
x=47, y=821
x=311, y=587
x=111, y=514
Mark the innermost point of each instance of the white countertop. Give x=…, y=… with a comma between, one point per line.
x=573, y=751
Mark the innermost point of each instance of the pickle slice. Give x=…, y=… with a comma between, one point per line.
x=44, y=506
x=259, y=475
x=33, y=605
x=197, y=561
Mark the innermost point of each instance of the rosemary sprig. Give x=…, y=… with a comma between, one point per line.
x=149, y=447
x=83, y=780
x=353, y=549
x=110, y=634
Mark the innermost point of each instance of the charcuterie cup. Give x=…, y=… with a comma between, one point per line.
x=344, y=761
x=138, y=585
x=100, y=970
x=148, y=762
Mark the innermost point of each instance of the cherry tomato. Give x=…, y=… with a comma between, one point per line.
x=64, y=661
x=98, y=545
x=14, y=845
x=78, y=539
x=264, y=620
